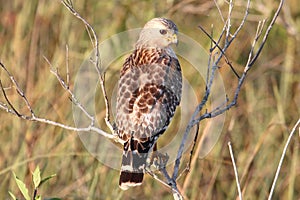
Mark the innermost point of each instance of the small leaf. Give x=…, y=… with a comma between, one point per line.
x=12, y=195
x=38, y=197
x=47, y=178
x=36, y=176
x=22, y=187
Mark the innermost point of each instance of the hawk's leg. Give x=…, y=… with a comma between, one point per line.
x=154, y=154
x=157, y=159
x=160, y=160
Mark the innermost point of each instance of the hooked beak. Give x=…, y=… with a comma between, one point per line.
x=173, y=39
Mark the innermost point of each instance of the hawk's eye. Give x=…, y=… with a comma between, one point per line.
x=163, y=31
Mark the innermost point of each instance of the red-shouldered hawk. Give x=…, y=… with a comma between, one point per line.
x=149, y=91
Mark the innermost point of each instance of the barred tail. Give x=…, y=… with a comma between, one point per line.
x=132, y=169
x=134, y=159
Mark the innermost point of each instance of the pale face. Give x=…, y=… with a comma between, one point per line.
x=158, y=32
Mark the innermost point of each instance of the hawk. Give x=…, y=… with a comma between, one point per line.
x=149, y=90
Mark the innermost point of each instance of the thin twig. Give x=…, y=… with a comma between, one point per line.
x=170, y=184
x=209, y=58
x=228, y=43
x=20, y=92
x=228, y=22
x=194, y=144
x=219, y=10
x=233, y=102
x=267, y=33
x=153, y=175
x=221, y=50
x=188, y=166
x=259, y=30
x=194, y=120
x=35, y=118
x=7, y=100
x=65, y=86
x=241, y=24
x=282, y=157
x=235, y=171
x=95, y=42
x=67, y=66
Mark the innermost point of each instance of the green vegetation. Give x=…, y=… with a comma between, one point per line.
x=37, y=182
x=258, y=127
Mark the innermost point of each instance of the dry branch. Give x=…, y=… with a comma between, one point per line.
x=9, y=108
x=235, y=171
x=97, y=62
x=282, y=157
x=214, y=66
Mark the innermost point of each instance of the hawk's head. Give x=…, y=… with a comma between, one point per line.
x=158, y=32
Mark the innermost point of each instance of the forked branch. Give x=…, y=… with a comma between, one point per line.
x=9, y=108
x=195, y=119
x=97, y=61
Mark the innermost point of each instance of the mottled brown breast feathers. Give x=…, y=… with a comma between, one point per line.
x=146, y=56
x=149, y=92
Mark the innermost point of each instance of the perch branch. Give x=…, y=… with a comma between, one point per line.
x=10, y=109
x=194, y=119
x=191, y=156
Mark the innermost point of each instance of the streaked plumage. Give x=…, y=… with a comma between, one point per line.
x=149, y=91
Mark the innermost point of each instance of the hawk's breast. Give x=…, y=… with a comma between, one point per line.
x=149, y=91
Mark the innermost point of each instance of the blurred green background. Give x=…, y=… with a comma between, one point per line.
x=268, y=106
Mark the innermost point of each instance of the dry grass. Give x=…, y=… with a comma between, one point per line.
x=258, y=127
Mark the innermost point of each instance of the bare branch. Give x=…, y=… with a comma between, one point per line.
x=267, y=33
x=13, y=110
x=219, y=10
x=241, y=24
x=282, y=157
x=97, y=62
x=169, y=183
x=235, y=171
x=226, y=26
x=153, y=175
x=67, y=66
x=33, y=117
x=65, y=86
x=215, y=112
x=259, y=30
x=228, y=22
x=221, y=50
x=20, y=92
x=188, y=165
